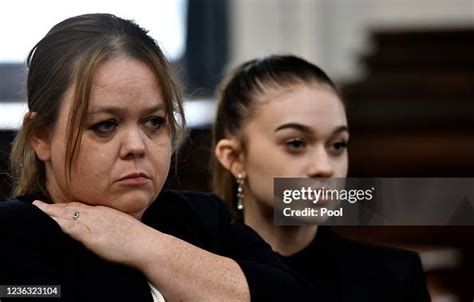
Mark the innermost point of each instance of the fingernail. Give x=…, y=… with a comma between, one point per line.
x=37, y=202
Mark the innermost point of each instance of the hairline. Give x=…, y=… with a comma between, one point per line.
x=270, y=84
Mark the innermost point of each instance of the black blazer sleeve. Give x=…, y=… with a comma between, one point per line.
x=206, y=223
x=268, y=278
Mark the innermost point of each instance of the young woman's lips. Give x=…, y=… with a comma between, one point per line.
x=322, y=201
x=134, y=179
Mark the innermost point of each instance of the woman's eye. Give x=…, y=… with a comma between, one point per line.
x=105, y=127
x=295, y=144
x=154, y=123
x=340, y=146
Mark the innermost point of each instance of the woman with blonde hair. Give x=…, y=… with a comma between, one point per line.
x=282, y=116
x=89, y=163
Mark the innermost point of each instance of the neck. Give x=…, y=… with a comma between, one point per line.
x=286, y=240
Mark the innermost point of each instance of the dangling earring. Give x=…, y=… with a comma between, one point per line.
x=240, y=191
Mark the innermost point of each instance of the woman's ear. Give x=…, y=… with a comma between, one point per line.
x=39, y=141
x=228, y=152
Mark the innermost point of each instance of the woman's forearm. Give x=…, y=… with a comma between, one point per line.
x=183, y=272
x=178, y=269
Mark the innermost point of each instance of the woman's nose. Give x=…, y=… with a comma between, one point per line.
x=320, y=164
x=133, y=144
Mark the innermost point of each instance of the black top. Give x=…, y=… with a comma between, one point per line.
x=343, y=270
x=34, y=250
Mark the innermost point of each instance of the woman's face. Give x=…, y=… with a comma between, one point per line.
x=124, y=156
x=295, y=131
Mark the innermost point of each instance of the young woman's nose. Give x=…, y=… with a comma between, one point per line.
x=320, y=164
x=133, y=144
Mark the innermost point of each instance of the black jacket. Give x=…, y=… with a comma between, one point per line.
x=343, y=270
x=34, y=250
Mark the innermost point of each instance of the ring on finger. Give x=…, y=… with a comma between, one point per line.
x=75, y=215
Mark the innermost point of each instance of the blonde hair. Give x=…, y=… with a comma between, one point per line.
x=70, y=53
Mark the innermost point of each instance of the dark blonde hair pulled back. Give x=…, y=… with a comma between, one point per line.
x=237, y=100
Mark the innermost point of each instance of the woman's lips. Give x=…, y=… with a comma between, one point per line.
x=134, y=179
x=323, y=199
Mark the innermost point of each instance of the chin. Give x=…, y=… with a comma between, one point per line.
x=129, y=202
x=132, y=203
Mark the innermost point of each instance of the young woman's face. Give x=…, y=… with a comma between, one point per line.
x=125, y=153
x=295, y=131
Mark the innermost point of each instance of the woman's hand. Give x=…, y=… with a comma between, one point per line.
x=109, y=233
x=181, y=271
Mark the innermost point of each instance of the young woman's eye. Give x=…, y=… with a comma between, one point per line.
x=340, y=146
x=154, y=123
x=105, y=127
x=295, y=144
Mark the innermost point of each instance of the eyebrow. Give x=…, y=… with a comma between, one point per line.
x=307, y=129
x=117, y=110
